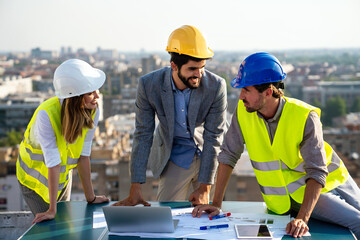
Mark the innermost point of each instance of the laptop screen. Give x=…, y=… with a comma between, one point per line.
x=138, y=219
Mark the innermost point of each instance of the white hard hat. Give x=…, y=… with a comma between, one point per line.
x=75, y=77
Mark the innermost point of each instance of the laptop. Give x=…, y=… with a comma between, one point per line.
x=139, y=219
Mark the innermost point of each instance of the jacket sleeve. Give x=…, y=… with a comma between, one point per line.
x=214, y=127
x=143, y=135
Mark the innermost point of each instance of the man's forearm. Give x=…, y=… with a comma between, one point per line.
x=311, y=196
x=204, y=187
x=222, y=179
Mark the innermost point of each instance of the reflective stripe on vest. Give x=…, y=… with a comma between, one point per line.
x=292, y=187
x=40, y=157
x=30, y=167
x=36, y=174
x=280, y=179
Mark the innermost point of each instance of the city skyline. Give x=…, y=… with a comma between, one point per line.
x=145, y=25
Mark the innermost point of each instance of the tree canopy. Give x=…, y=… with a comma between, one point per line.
x=335, y=107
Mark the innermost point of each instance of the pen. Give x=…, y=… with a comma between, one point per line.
x=220, y=216
x=214, y=226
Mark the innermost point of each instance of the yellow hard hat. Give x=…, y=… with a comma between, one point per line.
x=188, y=40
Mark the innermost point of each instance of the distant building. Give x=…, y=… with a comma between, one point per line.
x=344, y=141
x=10, y=194
x=16, y=114
x=14, y=84
x=107, y=54
x=346, y=137
x=150, y=64
x=350, y=121
x=114, y=105
x=43, y=54
x=62, y=51
x=348, y=90
x=44, y=85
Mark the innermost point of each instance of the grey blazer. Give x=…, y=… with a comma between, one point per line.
x=206, y=119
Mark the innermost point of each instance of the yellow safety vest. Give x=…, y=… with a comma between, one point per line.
x=31, y=170
x=279, y=167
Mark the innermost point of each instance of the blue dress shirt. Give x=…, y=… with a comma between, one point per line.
x=184, y=146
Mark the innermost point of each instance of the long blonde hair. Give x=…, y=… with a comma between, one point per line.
x=75, y=117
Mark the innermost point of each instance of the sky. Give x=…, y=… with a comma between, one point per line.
x=134, y=25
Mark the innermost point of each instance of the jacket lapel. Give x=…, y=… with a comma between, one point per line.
x=168, y=102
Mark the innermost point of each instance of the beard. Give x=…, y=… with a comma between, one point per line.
x=186, y=81
x=258, y=105
x=249, y=109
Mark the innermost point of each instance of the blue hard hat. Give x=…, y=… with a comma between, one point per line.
x=258, y=68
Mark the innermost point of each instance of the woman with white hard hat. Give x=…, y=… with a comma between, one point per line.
x=58, y=139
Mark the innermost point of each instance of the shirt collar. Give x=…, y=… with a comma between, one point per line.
x=175, y=89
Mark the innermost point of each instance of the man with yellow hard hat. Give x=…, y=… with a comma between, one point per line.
x=190, y=104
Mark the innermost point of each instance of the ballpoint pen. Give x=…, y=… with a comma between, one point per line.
x=214, y=226
x=220, y=216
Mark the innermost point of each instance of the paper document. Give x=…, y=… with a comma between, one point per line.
x=189, y=227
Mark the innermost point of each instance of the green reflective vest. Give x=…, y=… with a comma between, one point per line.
x=279, y=167
x=31, y=170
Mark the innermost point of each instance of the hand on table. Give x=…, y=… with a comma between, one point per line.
x=131, y=201
x=210, y=209
x=101, y=199
x=297, y=228
x=134, y=198
x=44, y=216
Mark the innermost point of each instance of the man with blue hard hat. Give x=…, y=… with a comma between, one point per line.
x=295, y=168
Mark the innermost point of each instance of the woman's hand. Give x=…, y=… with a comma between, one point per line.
x=48, y=215
x=101, y=199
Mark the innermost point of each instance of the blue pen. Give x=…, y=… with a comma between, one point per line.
x=220, y=216
x=214, y=226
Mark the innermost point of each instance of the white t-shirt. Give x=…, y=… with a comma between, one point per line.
x=45, y=136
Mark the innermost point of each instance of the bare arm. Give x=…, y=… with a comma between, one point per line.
x=298, y=227
x=53, y=181
x=84, y=170
x=222, y=179
x=313, y=152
